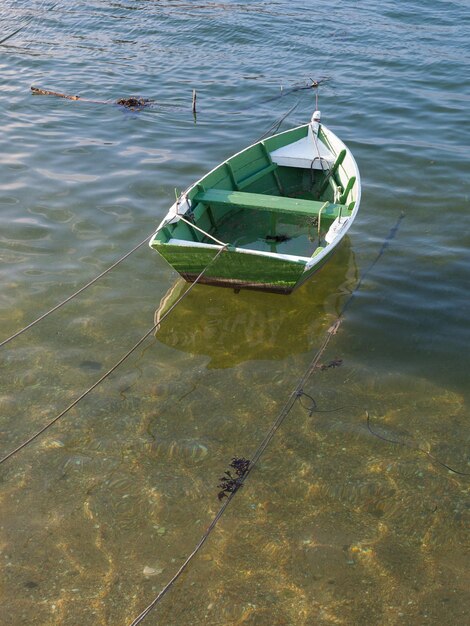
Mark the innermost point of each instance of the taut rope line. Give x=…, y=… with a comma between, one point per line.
x=296, y=394
x=414, y=447
x=275, y=127
x=61, y=304
x=113, y=368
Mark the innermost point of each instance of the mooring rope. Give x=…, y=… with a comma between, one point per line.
x=386, y=242
x=71, y=297
x=295, y=394
x=275, y=127
x=113, y=368
x=27, y=23
x=272, y=129
x=414, y=447
x=201, y=230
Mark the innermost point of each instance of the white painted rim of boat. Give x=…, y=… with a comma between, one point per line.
x=347, y=221
x=210, y=246
x=308, y=261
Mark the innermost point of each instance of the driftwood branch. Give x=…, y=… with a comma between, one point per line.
x=134, y=104
x=46, y=92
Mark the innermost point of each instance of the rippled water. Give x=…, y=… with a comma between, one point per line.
x=335, y=526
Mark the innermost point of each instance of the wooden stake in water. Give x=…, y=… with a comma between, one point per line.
x=194, y=104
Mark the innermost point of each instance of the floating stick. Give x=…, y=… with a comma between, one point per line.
x=133, y=103
x=194, y=105
x=46, y=92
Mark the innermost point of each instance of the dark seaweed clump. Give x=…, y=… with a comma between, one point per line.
x=330, y=364
x=230, y=483
x=134, y=103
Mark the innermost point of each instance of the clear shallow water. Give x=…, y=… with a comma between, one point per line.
x=335, y=526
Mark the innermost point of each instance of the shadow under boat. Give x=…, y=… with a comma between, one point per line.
x=231, y=328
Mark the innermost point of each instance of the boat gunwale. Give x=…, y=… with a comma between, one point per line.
x=310, y=261
x=293, y=258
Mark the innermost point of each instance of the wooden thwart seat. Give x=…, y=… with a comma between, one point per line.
x=274, y=204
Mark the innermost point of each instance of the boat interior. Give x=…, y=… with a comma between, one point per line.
x=271, y=197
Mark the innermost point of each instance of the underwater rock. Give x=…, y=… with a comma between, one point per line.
x=152, y=571
x=91, y=366
x=184, y=449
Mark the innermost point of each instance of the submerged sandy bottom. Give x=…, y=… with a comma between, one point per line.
x=335, y=526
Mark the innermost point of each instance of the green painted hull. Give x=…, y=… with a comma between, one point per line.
x=280, y=215
x=236, y=270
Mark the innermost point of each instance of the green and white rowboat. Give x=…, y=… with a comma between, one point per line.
x=281, y=206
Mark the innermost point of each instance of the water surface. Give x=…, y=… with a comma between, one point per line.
x=335, y=526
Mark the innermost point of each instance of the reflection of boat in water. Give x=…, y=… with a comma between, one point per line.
x=233, y=328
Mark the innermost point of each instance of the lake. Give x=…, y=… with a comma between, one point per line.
x=358, y=512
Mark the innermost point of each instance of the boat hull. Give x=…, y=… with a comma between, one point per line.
x=278, y=211
x=238, y=270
